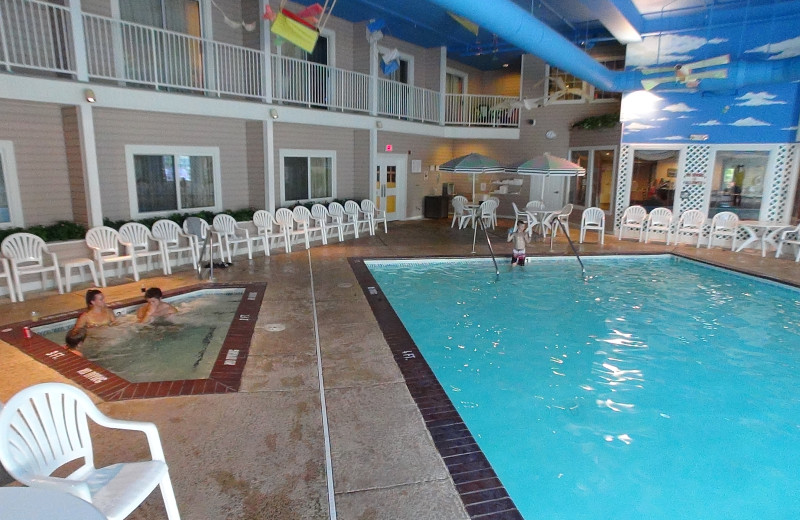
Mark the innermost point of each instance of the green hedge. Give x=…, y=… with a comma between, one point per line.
x=65, y=230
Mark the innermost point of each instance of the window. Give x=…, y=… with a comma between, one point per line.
x=307, y=175
x=164, y=180
x=10, y=207
x=738, y=183
x=563, y=87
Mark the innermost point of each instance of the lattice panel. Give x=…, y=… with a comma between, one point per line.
x=625, y=172
x=693, y=189
x=778, y=198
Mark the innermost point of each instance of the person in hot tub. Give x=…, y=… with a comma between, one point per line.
x=154, y=308
x=97, y=313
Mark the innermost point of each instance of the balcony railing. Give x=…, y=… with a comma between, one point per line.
x=37, y=36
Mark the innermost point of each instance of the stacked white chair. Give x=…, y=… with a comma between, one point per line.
x=26, y=255
x=266, y=228
x=45, y=427
x=461, y=213
x=353, y=212
x=633, y=218
x=12, y=293
x=303, y=218
x=659, y=221
x=232, y=233
x=690, y=224
x=327, y=222
x=374, y=215
x=723, y=226
x=174, y=242
x=338, y=214
x=144, y=244
x=285, y=219
x=200, y=237
x=790, y=236
x=488, y=213
x=593, y=219
x=108, y=246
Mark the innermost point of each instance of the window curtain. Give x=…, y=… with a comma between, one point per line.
x=295, y=177
x=320, y=177
x=5, y=213
x=196, y=176
x=155, y=183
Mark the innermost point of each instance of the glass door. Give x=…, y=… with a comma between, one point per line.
x=596, y=188
x=388, y=186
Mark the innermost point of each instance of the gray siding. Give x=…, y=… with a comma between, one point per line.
x=222, y=31
x=37, y=133
x=99, y=7
x=349, y=182
x=72, y=143
x=256, y=177
x=117, y=128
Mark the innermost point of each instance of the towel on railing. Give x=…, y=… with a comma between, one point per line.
x=293, y=28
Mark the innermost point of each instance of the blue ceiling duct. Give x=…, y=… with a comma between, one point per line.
x=517, y=26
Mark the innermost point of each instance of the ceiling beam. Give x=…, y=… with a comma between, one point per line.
x=620, y=17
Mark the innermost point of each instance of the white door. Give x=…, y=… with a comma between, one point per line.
x=389, y=184
x=553, y=196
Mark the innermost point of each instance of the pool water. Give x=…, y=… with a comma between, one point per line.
x=659, y=388
x=182, y=346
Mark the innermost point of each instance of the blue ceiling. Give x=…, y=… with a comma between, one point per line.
x=584, y=22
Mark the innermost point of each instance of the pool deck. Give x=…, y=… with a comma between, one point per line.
x=260, y=453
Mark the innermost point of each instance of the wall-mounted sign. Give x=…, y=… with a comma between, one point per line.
x=389, y=148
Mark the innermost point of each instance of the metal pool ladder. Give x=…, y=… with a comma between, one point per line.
x=488, y=241
x=572, y=245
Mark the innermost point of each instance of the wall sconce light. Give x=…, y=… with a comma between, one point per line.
x=379, y=124
x=89, y=95
x=273, y=113
x=532, y=122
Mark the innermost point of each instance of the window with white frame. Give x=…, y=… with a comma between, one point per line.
x=307, y=175
x=563, y=87
x=10, y=207
x=164, y=180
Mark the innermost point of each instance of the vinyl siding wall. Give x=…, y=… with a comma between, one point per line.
x=36, y=129
x=256, y=177
x=117, y=128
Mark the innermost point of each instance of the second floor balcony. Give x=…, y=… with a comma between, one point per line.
x=40, y=38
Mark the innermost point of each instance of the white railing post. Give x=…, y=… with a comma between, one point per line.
x=266, y=48
x=373, y=78
x=117, y=44
x=442, y=83
x=209, y=49
x=78, y=41
x=4, y=42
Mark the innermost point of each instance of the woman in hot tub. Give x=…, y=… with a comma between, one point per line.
x=97, y=313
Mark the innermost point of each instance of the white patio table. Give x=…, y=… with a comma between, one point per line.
x=760, y=231
x=27, y=503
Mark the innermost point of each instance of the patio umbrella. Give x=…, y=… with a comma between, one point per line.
x=547, y=165
x=474, y=164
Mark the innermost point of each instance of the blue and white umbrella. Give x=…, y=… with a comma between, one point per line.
x=473, y=164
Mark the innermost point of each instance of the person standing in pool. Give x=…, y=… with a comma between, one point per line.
x=521, y=239
x=97, y=313
x=154, y=308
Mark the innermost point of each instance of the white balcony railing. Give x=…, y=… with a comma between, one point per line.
x=37, y=36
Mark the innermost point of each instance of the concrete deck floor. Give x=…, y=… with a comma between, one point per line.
x=260, y=453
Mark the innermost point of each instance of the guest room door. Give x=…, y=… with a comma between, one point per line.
x=389, y=184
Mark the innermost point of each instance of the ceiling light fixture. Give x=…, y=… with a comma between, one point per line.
x=273, y=113
x=89, y=95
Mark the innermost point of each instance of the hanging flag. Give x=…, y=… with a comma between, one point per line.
x=467, y=24
x=269, y=14
x=296, y=30
x=312, y=11
x=388, y=68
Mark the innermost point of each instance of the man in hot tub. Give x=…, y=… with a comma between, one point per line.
x=154, y=308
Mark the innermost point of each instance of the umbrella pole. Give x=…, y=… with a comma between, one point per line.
x=473, y=187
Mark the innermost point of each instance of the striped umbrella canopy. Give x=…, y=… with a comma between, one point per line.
x=547, y=165
x=473, y=164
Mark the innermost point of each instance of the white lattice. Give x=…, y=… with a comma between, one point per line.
x=625, y=173
x=778, y=198
x=693, y=189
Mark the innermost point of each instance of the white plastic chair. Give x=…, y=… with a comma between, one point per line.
x=353, y=212
x=107, y=245
x=265, y=224
x=521, y=216
x=45, y=426
x=723, y=225
x=326, y=221
x=26, y=255
x=488, y=213
x=659, y=221
x=170, y=235
x=199, y=237
x=337, y=213
x=690, y=224
x=302, y=216
x=593, y=219
x=143, y=243
x=461, y=213
x=285, y=219
x=12, y=293
x=374, y=215
x=231, y=232
x=791, y=237
x=494, y=215
x=633, y=218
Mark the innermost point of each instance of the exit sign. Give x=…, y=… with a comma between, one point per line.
x=388, y=148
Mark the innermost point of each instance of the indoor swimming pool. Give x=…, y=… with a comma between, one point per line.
x=658, y=388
